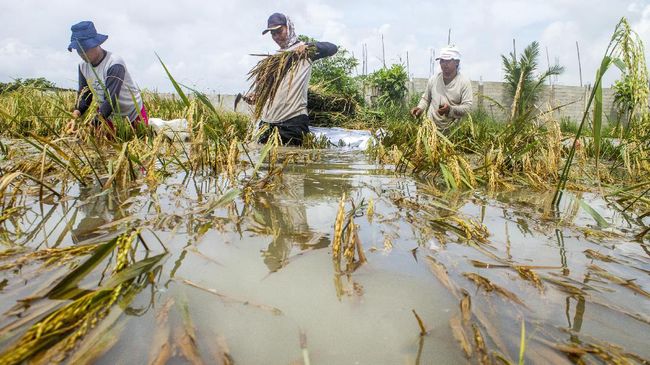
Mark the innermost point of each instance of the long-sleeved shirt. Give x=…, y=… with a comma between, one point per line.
x=291, y=97
x=457, y=94
x=123, y=95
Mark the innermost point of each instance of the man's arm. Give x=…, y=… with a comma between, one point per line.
x=84, y=95
x=323, y=49
x=458, y=111
x=114, y=81
x=425, y=100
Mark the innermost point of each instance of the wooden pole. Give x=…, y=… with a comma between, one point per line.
x=579, y=63
x=433, y=63
x=383, y=51
x=408, y=66
x=366, y=45
x=548, y=61
x=363, y=59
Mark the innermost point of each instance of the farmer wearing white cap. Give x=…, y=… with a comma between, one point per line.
x=448, y=96
x=104, y=75
x=288, y=112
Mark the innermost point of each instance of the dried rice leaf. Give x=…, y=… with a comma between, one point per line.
x=595, y=255
x=460, y=335
x=488, y=286
x=441, y=273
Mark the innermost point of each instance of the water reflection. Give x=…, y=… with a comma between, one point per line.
x=96, y=212
x=284, y=213
x=576, y=325
x=99, y=207
x=560, y=242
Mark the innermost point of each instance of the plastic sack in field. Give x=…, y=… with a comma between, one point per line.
x=175, y=128
x=350, y=138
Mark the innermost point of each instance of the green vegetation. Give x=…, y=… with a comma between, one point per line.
x=391, y=85
x=333, y=75
x=522, y=83
x=39, y=83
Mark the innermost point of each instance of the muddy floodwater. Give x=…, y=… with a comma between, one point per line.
x=253, y=282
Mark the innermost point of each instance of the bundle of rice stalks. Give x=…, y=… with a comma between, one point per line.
x=56, y=335
x=327, y=109
x=268, y=74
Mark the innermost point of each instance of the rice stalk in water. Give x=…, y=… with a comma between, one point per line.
x=337, y=239
x=62, y=329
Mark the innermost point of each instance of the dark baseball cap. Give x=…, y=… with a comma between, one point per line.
x=276, y=20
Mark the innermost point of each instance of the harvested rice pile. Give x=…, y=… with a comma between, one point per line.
x=327, y=109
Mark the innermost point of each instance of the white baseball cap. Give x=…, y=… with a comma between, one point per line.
x=449, y=53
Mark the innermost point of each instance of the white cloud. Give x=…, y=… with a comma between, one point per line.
x=642, y=26
x=635, y=6
x=207, y=44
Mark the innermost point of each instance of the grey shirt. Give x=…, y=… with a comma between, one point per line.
x=291, y=97
x=458, y=94
x=110, y=77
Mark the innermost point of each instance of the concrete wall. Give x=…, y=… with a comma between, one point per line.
x=227, y=102
x=569, y=100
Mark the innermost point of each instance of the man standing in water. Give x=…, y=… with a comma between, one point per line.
x=288, y=111
x=108, y=77
x=448, y=96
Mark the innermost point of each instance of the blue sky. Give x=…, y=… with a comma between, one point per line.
x=206, y=44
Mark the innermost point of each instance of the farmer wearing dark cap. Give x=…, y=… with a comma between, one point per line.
x=104, y=75
x=288, y=111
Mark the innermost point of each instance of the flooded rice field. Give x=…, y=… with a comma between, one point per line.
x=428, y=278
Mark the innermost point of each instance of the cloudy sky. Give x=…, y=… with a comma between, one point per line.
x=206, y=44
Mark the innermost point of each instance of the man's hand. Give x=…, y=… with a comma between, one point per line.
x=301, y=48
x=416, y=112
x=250, y=99
x=444, y=109
x=70, y=126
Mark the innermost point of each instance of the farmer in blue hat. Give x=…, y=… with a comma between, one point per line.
x=288, y=111
x=105, y=76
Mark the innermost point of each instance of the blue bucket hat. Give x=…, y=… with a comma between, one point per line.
x=85, y=35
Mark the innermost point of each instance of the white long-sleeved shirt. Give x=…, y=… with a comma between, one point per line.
x=458, y=94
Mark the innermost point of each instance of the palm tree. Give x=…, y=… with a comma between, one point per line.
x=521, y=83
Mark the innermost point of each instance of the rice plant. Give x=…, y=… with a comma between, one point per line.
x=59, y=332
x=626, y=52
x=345, y=242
